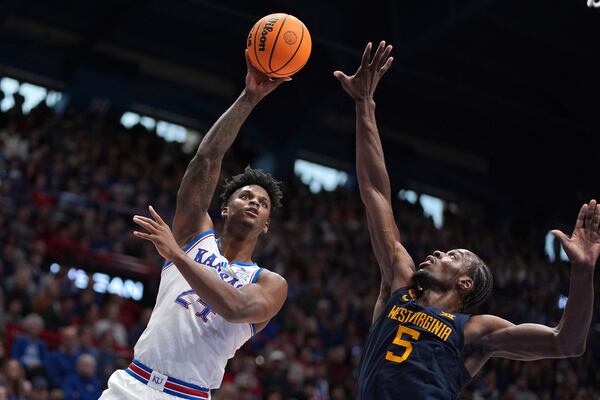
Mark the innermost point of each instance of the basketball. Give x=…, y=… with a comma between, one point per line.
x=279, y=45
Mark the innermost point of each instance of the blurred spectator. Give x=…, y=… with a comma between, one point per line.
x=87, y=341
x=228, y=391
x=83, y=384
x=138, y=327
x=57, y=394
x=20, y=286
x=522, y=390
x=107, y=357
x=488, y=391
x=17, y=387
x=60, y=313
x=47, y=296
x=39, y=389
x=63, y=361
x=110, y=322
x=28, y=348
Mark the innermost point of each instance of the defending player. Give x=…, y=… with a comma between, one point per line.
x=421, y=345
x=212, y=297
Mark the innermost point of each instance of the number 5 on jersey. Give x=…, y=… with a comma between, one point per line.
x=390, y=356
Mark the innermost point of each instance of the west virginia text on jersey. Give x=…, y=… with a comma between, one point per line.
x=414, y=352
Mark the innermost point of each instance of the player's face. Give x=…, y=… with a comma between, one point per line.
x=251, y=206
x=443, y=268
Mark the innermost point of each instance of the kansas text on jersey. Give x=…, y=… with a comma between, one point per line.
x=185, y=339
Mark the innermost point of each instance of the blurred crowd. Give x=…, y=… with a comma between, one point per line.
x=69, y=185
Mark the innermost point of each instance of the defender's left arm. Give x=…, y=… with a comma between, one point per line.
x=253, y=303
x=500, y=338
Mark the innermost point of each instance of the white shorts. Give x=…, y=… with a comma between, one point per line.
x=122, y=386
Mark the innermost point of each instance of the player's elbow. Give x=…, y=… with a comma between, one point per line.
x=575, y=350
x=370, y=193
x=570, y=348
x=234, y=313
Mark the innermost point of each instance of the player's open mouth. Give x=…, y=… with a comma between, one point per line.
x=428, y=261
x=252, y=212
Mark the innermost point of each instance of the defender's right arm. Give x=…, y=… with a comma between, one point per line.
x=202, y=174
x=395, y=263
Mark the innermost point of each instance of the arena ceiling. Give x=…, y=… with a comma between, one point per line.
x=496, y=101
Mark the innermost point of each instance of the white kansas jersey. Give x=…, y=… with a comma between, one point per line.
x=185, y=339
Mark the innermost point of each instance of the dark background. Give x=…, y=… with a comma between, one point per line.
x=490, y=102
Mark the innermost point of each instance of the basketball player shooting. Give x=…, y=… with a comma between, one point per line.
x=212, y=296
x=421, y=344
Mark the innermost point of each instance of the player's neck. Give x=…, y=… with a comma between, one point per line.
x=444, y=300
x=236, y=247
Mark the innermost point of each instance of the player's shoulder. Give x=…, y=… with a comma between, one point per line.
x=271, y=278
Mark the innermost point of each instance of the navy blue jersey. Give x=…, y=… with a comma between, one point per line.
x=413, y=352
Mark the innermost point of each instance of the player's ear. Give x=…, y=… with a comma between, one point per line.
x=465, y=284
x=224, y=212
x=266, y=227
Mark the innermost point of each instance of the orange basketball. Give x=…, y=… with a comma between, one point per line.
x=279, y=45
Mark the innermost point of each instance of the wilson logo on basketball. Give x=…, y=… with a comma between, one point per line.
x=290, y=37
x=267, y=28
x=278, y=45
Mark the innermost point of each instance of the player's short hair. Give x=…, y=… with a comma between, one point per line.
x=252, y=176
x=483, y=282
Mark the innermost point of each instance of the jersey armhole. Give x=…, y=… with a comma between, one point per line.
x=409, y=291
x=256, y=275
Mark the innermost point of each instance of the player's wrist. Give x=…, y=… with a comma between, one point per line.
x=364, y=100
x=178, y=255
x=583, y=270
x=250, y=97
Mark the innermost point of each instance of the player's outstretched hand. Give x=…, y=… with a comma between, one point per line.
x=258, y=85
x=159, y=233
x=361, y=86
x=583, y=247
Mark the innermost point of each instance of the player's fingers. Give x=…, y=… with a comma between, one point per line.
x=155, y=224
x=378, y=54
x=589, y=214
x=279, y=81
x=142, y=235
x=155, y=215
x=364, y=62
x=144, y=224
x=340, y=76
x=384, y=57
x=248, y=63
x=386, y=66
x=596, y=218
x=581, y=217
x=560, y=236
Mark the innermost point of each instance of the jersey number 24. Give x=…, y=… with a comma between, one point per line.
x=190, y=294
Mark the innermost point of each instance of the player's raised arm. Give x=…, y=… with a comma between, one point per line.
x=202, y=174
x=253, y=303
x=395, y=263
x=500, y=338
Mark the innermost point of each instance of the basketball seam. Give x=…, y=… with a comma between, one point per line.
x=264, y=70
x=275, y=42
x=288, y=74
x=293, y=55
